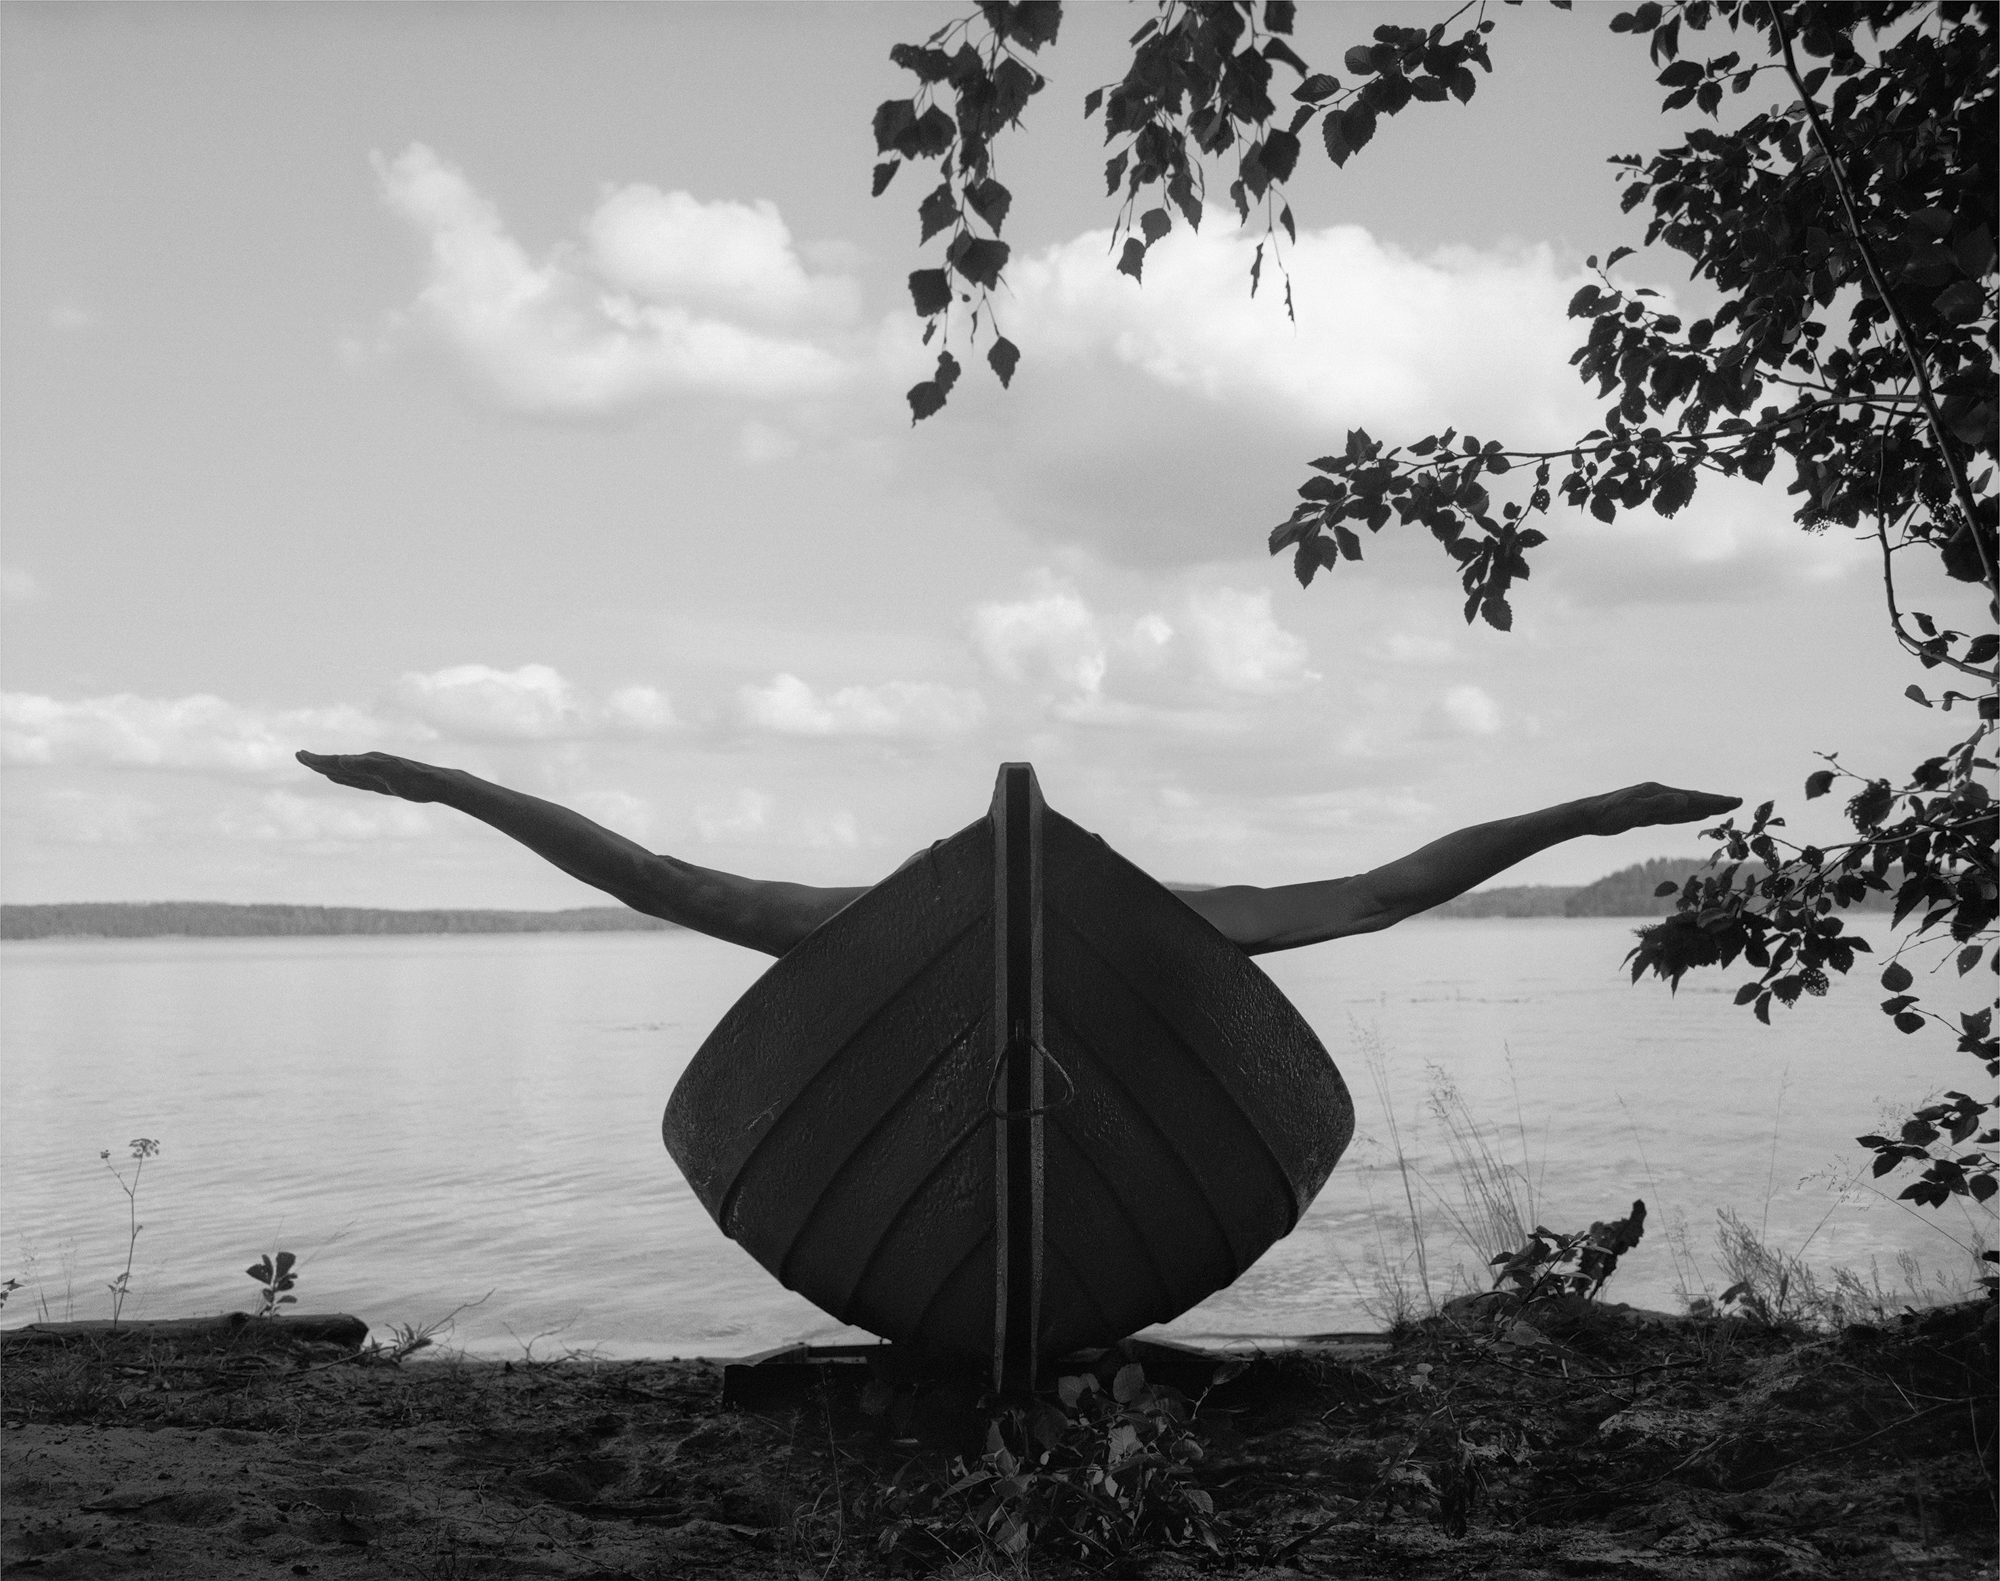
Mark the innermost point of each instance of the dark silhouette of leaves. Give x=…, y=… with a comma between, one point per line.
x=1783, y=217
x=1002, y=357
x=990, y=201
x=1850, y=252
x=1031, y=23
x=937, y=211
x=979, y=259
x=927, y=137
x=893, y=119
x=1335, y=137
x=1280, y=155
x=928, y=397
x=929, y=65
x=930, y=291
x=1357, y=126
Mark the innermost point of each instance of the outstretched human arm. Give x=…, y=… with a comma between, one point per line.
x=1285, y=917
x=761, y=914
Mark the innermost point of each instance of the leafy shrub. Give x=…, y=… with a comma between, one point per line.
x=1570, y=1265
x=1093, y=1474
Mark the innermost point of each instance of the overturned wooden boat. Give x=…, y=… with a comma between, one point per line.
x=1016, y=1100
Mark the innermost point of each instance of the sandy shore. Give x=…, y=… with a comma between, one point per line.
x=1597, y=1442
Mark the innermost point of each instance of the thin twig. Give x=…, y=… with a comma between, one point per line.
x=1833, y=398
x=1896, y=615
x=1595, y=1377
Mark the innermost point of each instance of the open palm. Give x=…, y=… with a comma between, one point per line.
x=376, y=771
x=1641, y=806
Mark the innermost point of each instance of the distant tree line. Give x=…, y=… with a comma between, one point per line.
x=1629, y=892
x=216, y=920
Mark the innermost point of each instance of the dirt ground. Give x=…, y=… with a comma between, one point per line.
x=1586, y=1441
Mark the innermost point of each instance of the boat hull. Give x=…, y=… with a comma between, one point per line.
x=1072, y=1088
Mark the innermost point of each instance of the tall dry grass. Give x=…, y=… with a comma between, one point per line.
x=1437, y=1235
x=1492, y=1203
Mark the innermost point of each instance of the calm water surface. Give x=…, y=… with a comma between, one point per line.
x=430, y=1121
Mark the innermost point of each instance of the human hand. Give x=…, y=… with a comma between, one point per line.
x=1641, y=806
x=378, y=772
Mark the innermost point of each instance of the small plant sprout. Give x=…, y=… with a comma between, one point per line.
x=142, y=1148
x=276, y=1278
x=409, y=1338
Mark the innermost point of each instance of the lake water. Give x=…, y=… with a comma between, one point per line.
x=427, y=1120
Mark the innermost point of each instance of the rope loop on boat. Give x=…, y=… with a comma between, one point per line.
x=1034, y=1112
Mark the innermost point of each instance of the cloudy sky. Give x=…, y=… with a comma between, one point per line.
x=520, y=388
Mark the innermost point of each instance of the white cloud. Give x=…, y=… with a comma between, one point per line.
x=205, y=733
x=201, y=732
x=744, y=817
x=1051, y=637
x=1171, y=421
x=760, y=443
x=71, y=319
x=1381, y=337
x=735, y=259
x=1223, y=817
x=19, y=587
x=1150, y=635
x=833, y=831
x=1471, y=711
x=81, y=817
x=477, y=702
x=1242, y=647
x=480, y=702
x=788, y=706
x=652, y=304
x=1416, y=647
x=640, y=708
x=1220, y=645
x=1735, y=543
x=628, y=814
x=747, y=820
x=282, y=816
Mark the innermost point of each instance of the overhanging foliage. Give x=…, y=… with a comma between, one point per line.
x=1851, y=237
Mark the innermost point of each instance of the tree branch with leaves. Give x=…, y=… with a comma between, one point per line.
x=1850, y=237
x=1199, y=87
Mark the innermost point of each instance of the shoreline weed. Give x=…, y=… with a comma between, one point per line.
x=275, y=1276
x=142, y=1148
x=1095, y=1474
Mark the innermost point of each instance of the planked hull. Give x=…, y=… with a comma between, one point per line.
x=1017, y=1064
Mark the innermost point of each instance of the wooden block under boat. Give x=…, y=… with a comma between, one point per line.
x=1015, y=1101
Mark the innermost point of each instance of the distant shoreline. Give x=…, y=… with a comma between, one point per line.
x=1629, y=892
x=192, y=919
